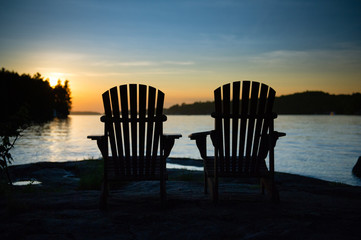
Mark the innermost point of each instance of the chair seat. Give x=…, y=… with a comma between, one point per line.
x=137, y=177
x=130, y=173
x=262, y=170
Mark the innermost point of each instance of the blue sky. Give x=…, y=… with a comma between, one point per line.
x=185, y=48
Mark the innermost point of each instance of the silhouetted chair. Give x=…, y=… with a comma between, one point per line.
x=138, y=146
x=243, y=137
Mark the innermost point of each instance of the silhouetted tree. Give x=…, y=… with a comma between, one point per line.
x=62, y=99
x=25, y=99
x=316, y=102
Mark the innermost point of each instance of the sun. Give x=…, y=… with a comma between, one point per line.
x=53, y=81
x=54, y=77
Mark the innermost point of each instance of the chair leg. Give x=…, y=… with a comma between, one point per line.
x=205, y=183
x=275, y=196
x=215, y=190
x=163, y=191
x=213, y=186
x=262, y=186
x=210, y=183
x=103, y=196
x=270, y=186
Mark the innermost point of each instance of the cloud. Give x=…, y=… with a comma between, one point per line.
x=309, y=59
x=123, y=64
x=178, y=63
x=142, y=63
x=101, y=74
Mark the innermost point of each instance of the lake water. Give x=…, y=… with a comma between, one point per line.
x=320, y=146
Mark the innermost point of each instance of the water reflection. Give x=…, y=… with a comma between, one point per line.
x=26, y=183
x=58, y=140
x=325, y=147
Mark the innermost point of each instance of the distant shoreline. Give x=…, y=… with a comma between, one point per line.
x=304, y=103
x=204, y=114
x=84, y=113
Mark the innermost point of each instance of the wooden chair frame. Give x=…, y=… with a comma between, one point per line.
x=243, y=137
x=133, y=127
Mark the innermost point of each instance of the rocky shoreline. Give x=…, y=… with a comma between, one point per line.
x=59, y=208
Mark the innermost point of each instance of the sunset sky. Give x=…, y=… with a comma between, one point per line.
x=185, y=48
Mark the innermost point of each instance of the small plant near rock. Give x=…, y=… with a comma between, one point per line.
x=8, y=139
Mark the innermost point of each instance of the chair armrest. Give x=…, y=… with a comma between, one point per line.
x=280, y=134
x=102, y=142
x=201, y=141
x=275, y=136
x=197, y=135
x=169, y=142
x=174, y=136
x=93, y=137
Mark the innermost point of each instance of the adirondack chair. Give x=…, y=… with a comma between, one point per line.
x=138, y=146
x=243, y=137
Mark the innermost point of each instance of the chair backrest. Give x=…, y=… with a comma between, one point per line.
x=243, y=118
x=134, y=124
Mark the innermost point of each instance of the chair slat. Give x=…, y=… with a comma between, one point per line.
x=270, y=100
x=250, y=132
x=142, y=110
x=158, y=124
x=150, y=123
x=133, y=123
x=109, y=126
x=269, y=107
x=267, y=121
x=226, y=123
x=125, y=115
x=235, y=112
x=244, y=113
x=218, y=127
x=268, y=111
x=260, y=121
x=115, y=107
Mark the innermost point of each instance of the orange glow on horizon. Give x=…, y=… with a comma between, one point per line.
x=89, y=99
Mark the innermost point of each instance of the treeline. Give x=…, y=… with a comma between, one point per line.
x=310, y=102
x=197, y=108
x=25, y=99
x=317, y=102
x=31, y=98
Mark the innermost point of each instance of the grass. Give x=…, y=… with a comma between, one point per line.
x=91, y=178
x=5, y=188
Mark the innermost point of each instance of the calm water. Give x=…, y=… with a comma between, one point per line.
x=325, y=147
